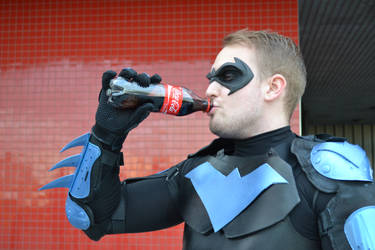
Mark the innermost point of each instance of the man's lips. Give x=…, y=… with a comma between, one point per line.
x=213, y=109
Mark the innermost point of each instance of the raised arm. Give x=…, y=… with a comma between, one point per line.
x=98, y=202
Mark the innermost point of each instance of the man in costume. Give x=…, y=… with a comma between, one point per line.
x=258, y=186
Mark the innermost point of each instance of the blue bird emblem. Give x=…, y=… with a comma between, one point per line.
x=225, y=197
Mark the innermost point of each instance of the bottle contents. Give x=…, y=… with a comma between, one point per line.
x=168, y=99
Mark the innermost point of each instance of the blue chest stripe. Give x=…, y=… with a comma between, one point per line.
x=225, y=197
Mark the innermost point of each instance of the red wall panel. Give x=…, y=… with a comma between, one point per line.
x=52, y=55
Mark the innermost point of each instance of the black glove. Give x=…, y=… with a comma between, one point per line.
x=113, y=124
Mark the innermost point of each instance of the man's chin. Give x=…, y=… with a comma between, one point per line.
x=216, y=130
x=224, y=132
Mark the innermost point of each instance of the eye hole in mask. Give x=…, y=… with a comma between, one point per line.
x=229, y=74
x=233, y=76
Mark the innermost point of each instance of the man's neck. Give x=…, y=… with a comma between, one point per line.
x=261, y=143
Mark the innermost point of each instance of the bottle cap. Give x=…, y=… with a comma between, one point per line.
x=208, y=106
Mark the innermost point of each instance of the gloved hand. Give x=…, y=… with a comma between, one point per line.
x=113, y=124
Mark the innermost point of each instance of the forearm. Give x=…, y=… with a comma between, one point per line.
x=145, y=205
x=149, y=205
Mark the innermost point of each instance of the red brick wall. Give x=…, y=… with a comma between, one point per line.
x=52, y=55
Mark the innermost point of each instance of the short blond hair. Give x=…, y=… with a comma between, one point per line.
x=276, y=54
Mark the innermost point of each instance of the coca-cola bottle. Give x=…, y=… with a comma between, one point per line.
x=168, y=99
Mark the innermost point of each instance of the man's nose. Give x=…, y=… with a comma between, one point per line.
x=213, y=90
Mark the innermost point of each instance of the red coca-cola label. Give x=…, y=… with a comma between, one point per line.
x=172, y=100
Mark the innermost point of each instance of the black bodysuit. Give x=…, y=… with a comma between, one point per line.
x=167, y=199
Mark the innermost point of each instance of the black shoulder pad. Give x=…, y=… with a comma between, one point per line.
x=330, y=138
x=323, y=138
x=301, y=148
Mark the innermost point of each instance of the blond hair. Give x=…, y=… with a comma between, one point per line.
x=276, y=54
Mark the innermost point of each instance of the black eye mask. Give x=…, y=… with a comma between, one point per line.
x=233, y=76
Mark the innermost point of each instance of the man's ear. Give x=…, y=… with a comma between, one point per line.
x=275, y=87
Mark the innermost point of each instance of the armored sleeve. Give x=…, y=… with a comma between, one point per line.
x=99, y=204
x=348, y=220
x=341, y=170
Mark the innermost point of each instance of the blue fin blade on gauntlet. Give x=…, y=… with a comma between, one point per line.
x=79, y=141
x=62, y=182
x=79, y=182
x=71, y=161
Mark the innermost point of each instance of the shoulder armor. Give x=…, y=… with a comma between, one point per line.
x=341, y=161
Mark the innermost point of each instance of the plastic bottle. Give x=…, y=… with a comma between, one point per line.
x=168, y=99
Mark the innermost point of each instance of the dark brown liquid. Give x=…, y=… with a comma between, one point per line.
x=188, y=106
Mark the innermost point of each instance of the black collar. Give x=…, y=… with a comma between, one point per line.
x=262, y=143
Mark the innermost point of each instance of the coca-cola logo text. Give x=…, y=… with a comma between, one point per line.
x=172, y=100
x=175, y=100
